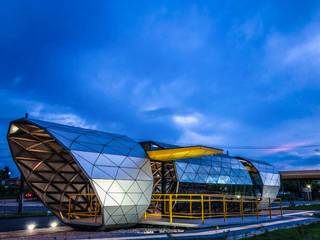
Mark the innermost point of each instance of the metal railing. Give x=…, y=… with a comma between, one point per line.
x=202, y=206
x=92, y=207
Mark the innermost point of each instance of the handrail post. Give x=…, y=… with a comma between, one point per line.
x=190, y=205
x=210, y=206
x=281, y=208
x=202, y=209
x=241, y=208
x=270, y=214
x=224, y=208
x=164, y=198
x=256, y=208
x=170, y=207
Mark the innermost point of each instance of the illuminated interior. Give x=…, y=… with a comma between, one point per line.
x=51, y=172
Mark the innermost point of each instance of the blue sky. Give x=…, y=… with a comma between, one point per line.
x=218, y=73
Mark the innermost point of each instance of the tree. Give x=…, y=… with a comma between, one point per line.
x=5, y=173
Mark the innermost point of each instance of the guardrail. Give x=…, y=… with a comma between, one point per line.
x=202, y=206
x=91, y=208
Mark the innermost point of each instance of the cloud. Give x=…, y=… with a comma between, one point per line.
x=247, y=30
x=42, y=111
x=184, y=31
x=296, y=55
x=189, y=137
x=186, y=120
x=288, y=147
x=290, y=161
x=198, y=128
x=308, y=50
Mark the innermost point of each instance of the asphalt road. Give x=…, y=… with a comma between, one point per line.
x=14, y=224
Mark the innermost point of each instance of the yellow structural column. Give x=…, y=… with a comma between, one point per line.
x=170, y=207
x=190, y=205
x=202, y=209
x=224, y=208
x=210, y=206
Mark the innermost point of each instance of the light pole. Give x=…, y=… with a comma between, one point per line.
x=309, y=192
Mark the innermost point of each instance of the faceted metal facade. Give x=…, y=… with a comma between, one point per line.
x=58, y=161
x=115, y=165
x=214, y=169
x=222, y=170
x=270, y=179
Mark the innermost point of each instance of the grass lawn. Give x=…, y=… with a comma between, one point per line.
x=308, y=207
x=304, y=232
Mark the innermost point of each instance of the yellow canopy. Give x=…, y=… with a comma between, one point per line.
x=181, y=152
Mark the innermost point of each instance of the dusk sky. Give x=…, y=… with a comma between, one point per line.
x=217, y=73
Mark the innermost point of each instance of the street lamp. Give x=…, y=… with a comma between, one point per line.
x=309, y=192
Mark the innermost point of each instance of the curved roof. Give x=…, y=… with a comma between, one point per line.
x=115, y=165
x=213, y=169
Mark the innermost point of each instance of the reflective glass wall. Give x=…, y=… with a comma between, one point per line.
x=213, y=174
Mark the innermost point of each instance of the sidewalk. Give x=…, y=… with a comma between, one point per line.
x=213, y=222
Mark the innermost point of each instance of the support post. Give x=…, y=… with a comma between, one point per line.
x=202, y=209
x=270, y=213
x=241, y=208
x=210, y=206
x=21, y=194
x=256, y=208
x=190, y=205
x=170, y=208
x=281, y=208
x=224, y=208
x=163, y=186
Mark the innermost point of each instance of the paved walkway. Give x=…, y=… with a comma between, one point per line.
x=213, y=222
x=231, y=232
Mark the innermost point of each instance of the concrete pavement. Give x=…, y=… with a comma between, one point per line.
x=231, y=232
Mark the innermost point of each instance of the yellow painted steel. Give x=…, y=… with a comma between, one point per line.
x=170, y=207
x=202, y=209
x=93, y=209
x=224, y=208
x=182, y=152
x=193, y=206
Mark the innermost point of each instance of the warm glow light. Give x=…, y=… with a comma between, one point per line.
x=308, y=186
x=238, y=196
x=53, y=224
x=13, y=128
x=31, y=226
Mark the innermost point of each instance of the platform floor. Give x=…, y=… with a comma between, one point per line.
x=219, y=222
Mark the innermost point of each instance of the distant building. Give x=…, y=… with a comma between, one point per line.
x=300, y=184
x=92, y=178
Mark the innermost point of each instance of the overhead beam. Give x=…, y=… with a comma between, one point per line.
x=181, y=153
